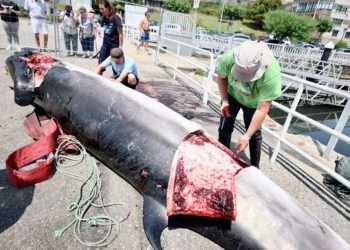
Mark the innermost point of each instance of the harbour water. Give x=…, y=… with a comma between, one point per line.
x=327, y=115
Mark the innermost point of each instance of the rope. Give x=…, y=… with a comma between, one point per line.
x=90, y=192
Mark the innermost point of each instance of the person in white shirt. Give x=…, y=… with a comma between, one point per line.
x=37, y=11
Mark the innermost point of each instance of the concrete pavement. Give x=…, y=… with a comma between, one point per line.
x=30, y=216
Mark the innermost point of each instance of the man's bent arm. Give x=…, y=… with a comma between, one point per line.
x=141, y=25
x=122, y=76
x=222, y=85
x=259, y=116
x=120, y=32
x=100, y=69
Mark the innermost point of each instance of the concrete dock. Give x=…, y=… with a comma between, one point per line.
x=30, y=216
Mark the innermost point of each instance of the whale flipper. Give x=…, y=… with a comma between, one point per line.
x=154, y=221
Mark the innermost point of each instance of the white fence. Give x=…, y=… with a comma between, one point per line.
x=184, y=23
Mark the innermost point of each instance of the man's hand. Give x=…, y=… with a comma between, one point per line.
x=225, y=109
x=242, y=143
x=100, y=69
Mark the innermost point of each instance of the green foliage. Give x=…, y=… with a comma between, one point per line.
x=234, y=12
x=118, y=6
x=212, y=23
x=125, y=2
x=257, y=10
x=324, y=25
x=209, y=8
x=23, y=12
x=284, y=24
x=341, y=44
x=183, y=6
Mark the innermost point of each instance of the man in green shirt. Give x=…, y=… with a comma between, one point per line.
x=249, y=78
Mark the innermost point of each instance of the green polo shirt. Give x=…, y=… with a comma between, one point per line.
x=249, y=94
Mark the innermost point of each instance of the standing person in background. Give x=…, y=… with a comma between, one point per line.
x=144, y=32
x=86, y=32
x=249, y=78
x=9, y=12
x=112, y=30
x=37, y=11
x=70, y=30
x=96, y=18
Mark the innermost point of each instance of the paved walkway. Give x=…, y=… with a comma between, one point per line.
x=31, y=215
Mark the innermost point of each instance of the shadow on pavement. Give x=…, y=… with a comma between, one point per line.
x=13, y=201
x=185, y=101
x=180, y=98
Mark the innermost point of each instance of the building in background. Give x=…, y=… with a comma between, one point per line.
x=340, y=16
x=337, y=10
x=315, y=8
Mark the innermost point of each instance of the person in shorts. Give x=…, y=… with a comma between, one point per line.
x=144, y=32
x=37, y=11
x=124, y=69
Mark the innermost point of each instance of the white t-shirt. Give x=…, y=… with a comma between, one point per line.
x=37, y=9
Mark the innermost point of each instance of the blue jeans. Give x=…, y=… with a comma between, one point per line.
x=227, y=125
x=105, y=51
x=144, y=36
x=87, y=43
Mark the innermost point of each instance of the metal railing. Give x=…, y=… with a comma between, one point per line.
x=56, y=42
x=302, y=85
x=206, y=66
x=184, y=22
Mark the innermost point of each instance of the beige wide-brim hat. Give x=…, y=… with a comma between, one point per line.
x=251, y=61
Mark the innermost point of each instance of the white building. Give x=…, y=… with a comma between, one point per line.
x=337, y=10
x=340, y=16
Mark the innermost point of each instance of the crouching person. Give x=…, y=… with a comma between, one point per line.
x=124, y=69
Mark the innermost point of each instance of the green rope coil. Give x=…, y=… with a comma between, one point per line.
x=90, y=194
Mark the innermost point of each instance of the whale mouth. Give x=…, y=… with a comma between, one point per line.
x=28, y=69
x=39, y=64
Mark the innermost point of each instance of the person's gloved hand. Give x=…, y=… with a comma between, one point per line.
x=225, y=109
x=242, y=143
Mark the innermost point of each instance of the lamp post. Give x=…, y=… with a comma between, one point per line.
x=195, y=7
x=222, y=14
x=318, y=2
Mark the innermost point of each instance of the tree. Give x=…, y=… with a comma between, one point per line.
x=288, y=24
x=257, y=10
x=183, y=6
x=234, y=12
x=324, y=25
x=341, y=44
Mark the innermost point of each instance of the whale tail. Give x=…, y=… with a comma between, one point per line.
x=155, y=221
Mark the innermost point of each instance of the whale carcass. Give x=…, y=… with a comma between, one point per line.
x=134, y=134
